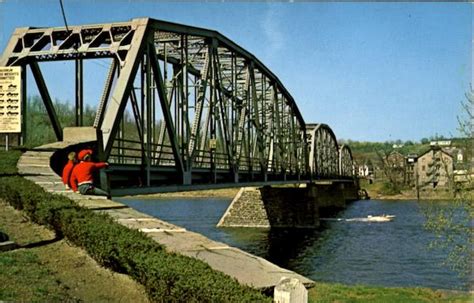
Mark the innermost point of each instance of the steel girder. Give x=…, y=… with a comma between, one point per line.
x=326, y=159
x=346, y=162
x=204, y=110
x=324, y=151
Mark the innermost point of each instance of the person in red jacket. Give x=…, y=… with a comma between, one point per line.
x=67, y=170
x=81, y=177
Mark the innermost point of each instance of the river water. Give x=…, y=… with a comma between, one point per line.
x=387, y=254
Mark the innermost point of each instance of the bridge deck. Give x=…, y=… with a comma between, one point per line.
x=246, y=268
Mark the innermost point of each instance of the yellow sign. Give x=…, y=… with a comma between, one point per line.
x=212, y=143
x=10, y=99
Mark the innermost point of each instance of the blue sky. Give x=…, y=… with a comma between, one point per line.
x=372, y=71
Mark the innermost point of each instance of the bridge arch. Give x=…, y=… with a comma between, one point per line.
x=346, y=163
x=323, y=151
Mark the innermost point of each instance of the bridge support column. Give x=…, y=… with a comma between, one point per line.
x=287, y=207
x=268, y=207
x=327, y=195
x=246, y=210
x=104, y=181
x=332, y=196
x=236, y=177
x=187, y=177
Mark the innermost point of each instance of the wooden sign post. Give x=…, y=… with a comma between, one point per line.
x=10, y=101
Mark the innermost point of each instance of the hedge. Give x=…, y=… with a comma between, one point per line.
x=167, y=277
x=8, y=162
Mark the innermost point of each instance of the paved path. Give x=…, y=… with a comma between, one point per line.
x=246, y=268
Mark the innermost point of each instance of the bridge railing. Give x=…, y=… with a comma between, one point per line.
x=131, y=152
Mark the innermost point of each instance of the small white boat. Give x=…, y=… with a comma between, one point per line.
x=382, y=218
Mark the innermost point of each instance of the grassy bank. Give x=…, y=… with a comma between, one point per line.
x=333, y=292
x=48, y=269
x=377, y=190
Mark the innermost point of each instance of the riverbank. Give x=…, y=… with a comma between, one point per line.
x=48, y=269
x=377, y=191
x=57, y=271
x=333, y=292
x=411, y=195
x=374, y=191
x=227, y=193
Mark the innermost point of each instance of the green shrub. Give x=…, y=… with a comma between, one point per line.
x=50, y=212
x=8, y=192
x=8, y=162
x=167, y=277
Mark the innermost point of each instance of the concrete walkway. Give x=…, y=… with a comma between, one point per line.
x=246, y=268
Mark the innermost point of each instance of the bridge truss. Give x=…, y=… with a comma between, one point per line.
x=182, y=105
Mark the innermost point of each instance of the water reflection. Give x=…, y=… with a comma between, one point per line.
x=278, y=245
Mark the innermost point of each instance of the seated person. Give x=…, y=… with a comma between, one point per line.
x=67, y=170
x=82, y=174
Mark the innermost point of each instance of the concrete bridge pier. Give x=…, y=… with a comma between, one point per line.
x=287, y=207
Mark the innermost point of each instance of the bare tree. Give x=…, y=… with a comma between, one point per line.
x=452, y=224
x=392, y=170
x=466, y=121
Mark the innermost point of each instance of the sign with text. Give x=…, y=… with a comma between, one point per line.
x=10, y=99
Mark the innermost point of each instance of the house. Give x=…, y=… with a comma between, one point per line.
x=462, y=168
x=434, y=168
x=363, y=170
x=366, y=169
x=440, y=143
x=410, y=163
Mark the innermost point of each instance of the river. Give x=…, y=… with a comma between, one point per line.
x=387, y=254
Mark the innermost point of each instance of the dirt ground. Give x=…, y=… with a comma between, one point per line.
x=25, y=272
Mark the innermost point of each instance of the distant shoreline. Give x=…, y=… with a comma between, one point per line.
x=229, y=193
x=410, y=196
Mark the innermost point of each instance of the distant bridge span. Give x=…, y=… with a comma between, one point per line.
x=181, y=106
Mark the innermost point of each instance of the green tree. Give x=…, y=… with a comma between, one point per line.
x=38, y=125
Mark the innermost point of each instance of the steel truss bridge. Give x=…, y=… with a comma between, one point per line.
x=182, y=106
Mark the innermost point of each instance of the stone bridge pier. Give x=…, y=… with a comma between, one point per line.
x=287, y=207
